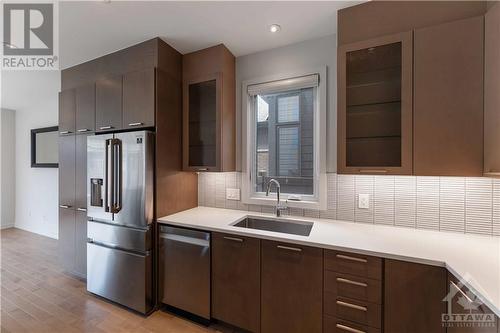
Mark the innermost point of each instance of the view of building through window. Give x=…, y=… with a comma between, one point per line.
x=284, y=147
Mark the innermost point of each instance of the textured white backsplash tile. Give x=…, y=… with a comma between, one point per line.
x=456, y=204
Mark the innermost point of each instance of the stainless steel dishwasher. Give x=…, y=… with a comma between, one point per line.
x=185, y=269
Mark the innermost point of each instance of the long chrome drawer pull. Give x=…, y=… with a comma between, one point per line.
x=361, y=284
x=296, y=249
x=64, y=132
x=202, y=169
x=80, y=209
x=461, y=292
x=82, y=130
x=352, y=306
x=64, y=206
x=348, y=329
x=341, y=256
x=135, y=124
x=234, y=239
x=105, y=127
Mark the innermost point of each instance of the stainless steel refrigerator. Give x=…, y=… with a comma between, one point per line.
x=120, y=215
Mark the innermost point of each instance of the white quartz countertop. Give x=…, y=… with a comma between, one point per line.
x=475, y=259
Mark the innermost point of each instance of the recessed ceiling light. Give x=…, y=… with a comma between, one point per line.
x=274, y=28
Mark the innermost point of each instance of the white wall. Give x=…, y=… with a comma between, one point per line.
x=35, y=94
x=313, y=53
x=7, y=168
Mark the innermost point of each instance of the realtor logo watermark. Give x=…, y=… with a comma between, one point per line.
x=464, y=309
x=29, y=36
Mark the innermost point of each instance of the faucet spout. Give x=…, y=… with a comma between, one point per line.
x=279, y=207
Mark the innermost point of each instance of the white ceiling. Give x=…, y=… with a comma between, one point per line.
x=89, y=29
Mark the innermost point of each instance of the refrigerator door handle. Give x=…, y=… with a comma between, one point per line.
x=117, y=193
x=108, y=178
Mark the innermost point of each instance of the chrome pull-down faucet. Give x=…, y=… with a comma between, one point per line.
x=279, y=206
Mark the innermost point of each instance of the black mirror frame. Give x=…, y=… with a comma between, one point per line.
x=34, y=132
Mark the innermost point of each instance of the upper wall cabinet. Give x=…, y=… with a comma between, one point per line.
x=67, y=110
x=448, y=99
x=375, y=106
x=139, y=99
x=491, y=92
x=109, y=103
x=85, y=108
x=209, y=110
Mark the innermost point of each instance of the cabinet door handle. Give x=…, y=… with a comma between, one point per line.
x=64, y=206
x=80, y=209
x=64, y=132
x=296, y=249
x=135, y=124
x=83, y=130
x=234, y=239
x=105, y=127
x=202, y=169
x=492, y=173
x=361, y=284
x=348, y=329
x=341, y=256
x=352, y=306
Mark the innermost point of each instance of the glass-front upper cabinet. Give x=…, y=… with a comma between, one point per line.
x=202, y=124
x=375, y=106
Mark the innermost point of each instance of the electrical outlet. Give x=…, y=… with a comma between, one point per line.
x=233, y=194
x=363, y=201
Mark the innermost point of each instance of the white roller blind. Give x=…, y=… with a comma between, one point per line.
x=272, y=87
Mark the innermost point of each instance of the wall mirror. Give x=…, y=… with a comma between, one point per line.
x=44, y=147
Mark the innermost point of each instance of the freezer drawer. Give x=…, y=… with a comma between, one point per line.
x=185, y=270
x=120, y=276
x=119, y=236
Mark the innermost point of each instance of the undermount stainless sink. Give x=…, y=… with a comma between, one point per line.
x=301, y=228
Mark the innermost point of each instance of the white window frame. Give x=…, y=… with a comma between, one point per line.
x=249, y=196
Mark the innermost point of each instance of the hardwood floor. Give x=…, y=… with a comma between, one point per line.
x=37, y=296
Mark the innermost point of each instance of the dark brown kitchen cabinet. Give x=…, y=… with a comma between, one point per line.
x=67, y=171
x=375, y=106
x=80, y=266
x=139, y=99
x=291, y=288
x=67, y=109
x=81, y=172
x=66, y=238
x=85, y=108
x=108, y=94
x=236, y=280
x=461, y=301
x=209, y=110
x=448, y=99
x=413, y=297
x=491, y=89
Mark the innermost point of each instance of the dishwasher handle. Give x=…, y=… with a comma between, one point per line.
x=185, y=239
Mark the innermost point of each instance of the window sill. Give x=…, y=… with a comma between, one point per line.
x=271, y=201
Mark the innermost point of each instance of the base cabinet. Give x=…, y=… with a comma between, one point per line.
x=413, y=297
x=81, y=244
x=66, y=241
x=291, y=292
x=236, y=280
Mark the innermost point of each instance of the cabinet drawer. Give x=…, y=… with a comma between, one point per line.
x=355, y=287
x=336, y=325
x=360, y=312
x=354, y=264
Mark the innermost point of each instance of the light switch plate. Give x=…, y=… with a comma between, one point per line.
x=233, y=194
x=363, y=201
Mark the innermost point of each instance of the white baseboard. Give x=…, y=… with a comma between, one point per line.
x=7, y=226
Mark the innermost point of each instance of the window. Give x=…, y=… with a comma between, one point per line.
x=283, y=131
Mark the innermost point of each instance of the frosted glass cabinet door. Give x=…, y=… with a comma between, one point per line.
x=375, y=106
